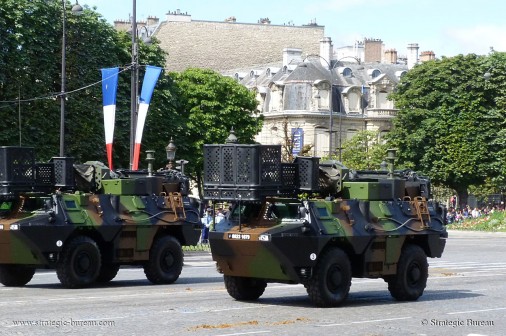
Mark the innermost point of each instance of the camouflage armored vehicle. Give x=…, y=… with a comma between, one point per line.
x=85, y=220
x=319, y=224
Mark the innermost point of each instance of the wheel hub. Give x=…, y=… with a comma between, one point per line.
x=335, y=278
x=414, y=274
x=83, y=262
x=168, y=260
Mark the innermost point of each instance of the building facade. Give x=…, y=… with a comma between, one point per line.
x=299, y=94
x=230, y=44
x=320, y=95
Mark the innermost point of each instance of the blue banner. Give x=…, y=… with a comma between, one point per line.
x=298, y=140
x=148, y=85
x=109, y=85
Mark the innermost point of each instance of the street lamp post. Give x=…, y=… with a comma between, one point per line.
x=76, y=9
x=134, y=81
x=171, y=153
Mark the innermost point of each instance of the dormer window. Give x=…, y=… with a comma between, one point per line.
x=373, y=73
x=255, y=73
x=400, y=73
x=345, y=71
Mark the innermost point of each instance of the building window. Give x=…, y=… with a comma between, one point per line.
x=373, y=73
x=345, y=71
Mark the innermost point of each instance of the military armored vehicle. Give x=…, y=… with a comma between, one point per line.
x=85, y=220
x=319, y=223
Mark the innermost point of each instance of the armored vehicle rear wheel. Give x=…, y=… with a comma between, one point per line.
x=412, y=272
x=241, y=288
x=331, y=280
x=165, y=261
x=16, y=275
x=107, y=272
x=79, y=263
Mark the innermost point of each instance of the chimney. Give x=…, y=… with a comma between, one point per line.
x=153, y=21
x=326, y=51
x=291, y=54
x=373, y=50
x=391, y=56
x=178, y=16
x=427, y=56
x=412, y=55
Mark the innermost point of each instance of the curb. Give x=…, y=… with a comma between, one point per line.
x=467, y=233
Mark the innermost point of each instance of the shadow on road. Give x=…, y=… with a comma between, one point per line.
x=368, y=298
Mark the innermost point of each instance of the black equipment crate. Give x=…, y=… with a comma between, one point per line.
x=289, y=175
x=17, y=165
x=256, y=166
x=63, y=172
x=308, y=173
x=44, y=175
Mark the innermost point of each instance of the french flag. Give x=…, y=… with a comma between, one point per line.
x=109, y=87
x=148, y=86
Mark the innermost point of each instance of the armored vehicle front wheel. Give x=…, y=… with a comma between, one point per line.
x=107, y=272
x=16, y=275
x=331, y=279
x=412, y=272
x=165, y=261
x=241, y=288
x=79, y=263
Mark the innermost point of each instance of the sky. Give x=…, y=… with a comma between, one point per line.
x=446, y=27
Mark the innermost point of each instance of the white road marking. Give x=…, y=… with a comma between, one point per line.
x=476, y=311
x=365, y=321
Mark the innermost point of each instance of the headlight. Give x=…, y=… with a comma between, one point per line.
x=14, y=227
x=1, y=226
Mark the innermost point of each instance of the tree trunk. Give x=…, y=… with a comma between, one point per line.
x=462, y=196
x=200, y=185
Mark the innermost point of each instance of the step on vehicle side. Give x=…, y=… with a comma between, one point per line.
x=319, y=224
x=86, y=221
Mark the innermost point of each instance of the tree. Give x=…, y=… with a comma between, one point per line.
x=450, y=120
x=30, y=81
x=31, y=70
x=363, y=151
x=208, y=106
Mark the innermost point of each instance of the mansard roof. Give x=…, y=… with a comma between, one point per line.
x=312, y=70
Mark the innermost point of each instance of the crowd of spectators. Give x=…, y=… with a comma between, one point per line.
x=457, y=215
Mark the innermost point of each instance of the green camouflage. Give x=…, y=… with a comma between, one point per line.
x=364, y=224
x=88, y=224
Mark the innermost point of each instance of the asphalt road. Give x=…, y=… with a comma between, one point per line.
x=465, y=295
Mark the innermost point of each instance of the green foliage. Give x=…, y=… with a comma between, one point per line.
x=363, y=151
x=30, y=69
x=450, y=120
x=208, y=106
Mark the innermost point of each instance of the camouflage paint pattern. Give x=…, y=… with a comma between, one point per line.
x=286, y=216
x=245, y=251
x=37, y=228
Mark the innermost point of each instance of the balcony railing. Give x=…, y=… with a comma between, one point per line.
x=381, y=112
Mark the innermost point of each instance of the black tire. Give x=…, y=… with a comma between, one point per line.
x=331, y=281
x=243, y=288
x=165, y=261
x=79, y=263
x=16, y=275
x=412, y=273
x=107, y=272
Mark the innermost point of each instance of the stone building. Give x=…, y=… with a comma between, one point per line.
x=230, y=44
x=298, y=76
x=301, y=91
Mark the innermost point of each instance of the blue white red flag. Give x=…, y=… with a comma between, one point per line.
x=148, y=86
x=109, y=88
